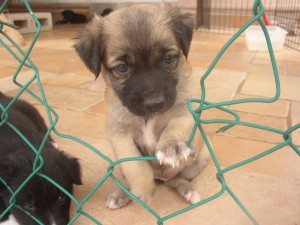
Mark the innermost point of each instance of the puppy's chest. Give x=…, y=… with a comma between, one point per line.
x=148, y=136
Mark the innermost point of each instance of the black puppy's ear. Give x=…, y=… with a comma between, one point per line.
x=88, y=45
x=182, y=25
x=74, y=170
x=9, y=167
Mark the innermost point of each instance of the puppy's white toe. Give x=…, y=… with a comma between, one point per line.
x=192, y=196
x=172, y=153
x=186, y=151
x=55, y=144
x=160, y=157
x=117, y=200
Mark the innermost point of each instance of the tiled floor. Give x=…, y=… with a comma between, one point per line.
x=269, y=187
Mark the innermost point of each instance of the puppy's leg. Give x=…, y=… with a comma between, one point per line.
x=199, y=163
x=117, y=199
x=173, y=149
x=138, y=174
x=182, y=183
x=185, y=189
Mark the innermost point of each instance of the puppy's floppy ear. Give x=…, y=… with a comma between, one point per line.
x=182, y=24
x=74, y=170
x=10, y=166
x=88, y=45
x=7, y=169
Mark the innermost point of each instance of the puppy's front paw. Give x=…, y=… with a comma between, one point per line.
x=117, y=199
x=173, y=152
x=191, y=196
x=143, y=196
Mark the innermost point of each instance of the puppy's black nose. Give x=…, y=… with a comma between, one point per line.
x=155, y=104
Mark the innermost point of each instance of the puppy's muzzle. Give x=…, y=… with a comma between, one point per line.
x=155, y=103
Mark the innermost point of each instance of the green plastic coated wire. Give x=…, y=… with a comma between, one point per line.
x=24, y=60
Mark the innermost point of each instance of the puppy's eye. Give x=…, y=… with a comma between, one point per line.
x=29, y=208
x=169, y=59
x=61, y=199
x=121, y=69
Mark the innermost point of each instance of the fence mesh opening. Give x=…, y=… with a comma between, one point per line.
x=201, y=105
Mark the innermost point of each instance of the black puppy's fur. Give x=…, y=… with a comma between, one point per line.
x=69, y=16
x=39, y=197
x=106, y=11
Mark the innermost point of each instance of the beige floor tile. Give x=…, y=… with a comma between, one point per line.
x=281, y=65
x=59, y=32
x=286, y=54
x=96, y=84
x=64, y=97
x=295, y=116
x=62, y=44
x=7, y=60
x=242, y=56
x=46, y=60
x=293, y=69
x=247, y=67
x=203, y=45
x=68, y=79
x=231, y=150
x=238, y=51
x=7, y=71
x=100, y=108
x=264, y=85
x=262, y=194
x=258, y=134
x=196, y=55
x=198, y=60
x=240, y=131
x=78, y=124
x=211, y=41
x=7, y=84
x=279, y=108
x=221, y=85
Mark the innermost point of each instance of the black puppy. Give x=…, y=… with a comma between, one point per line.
x=39, y=197
x=106, y=11
x=69, y=16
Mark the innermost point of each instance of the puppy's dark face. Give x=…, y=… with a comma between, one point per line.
x=141, y=51
x=43, y=200
x=143, y=71
x=67, y=14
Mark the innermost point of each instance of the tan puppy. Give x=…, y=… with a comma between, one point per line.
x=142, y=52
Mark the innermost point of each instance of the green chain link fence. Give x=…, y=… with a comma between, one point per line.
x=24, y=61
